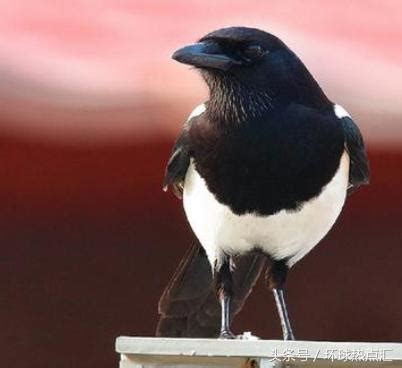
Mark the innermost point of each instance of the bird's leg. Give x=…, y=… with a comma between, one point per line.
x=224, y=289
x=283, y=314
x=276, y=277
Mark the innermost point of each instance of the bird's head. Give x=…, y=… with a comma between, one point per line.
x=251, y=69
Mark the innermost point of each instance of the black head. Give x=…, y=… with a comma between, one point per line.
x=251, y=62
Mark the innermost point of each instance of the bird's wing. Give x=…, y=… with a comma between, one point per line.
x=359, y=168
x=179, y=160
x=189, y=307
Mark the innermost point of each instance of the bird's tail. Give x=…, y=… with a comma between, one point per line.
x=189, y=307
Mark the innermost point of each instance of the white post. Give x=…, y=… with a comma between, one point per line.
x=147, y=352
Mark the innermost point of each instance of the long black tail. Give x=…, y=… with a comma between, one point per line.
x=189, y=307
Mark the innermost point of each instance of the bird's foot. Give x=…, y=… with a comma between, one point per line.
x=247, y=335
x=227, y=334
x=289, y=337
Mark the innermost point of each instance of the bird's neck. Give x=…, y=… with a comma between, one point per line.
x=231, y=102
x=234, y=102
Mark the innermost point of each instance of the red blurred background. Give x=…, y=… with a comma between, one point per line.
x=89, y=106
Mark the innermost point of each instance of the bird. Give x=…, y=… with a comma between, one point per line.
x=263, y=169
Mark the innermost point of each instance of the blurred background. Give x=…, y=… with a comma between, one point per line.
x=90, y=103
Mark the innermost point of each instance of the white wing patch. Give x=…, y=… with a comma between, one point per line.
x=340, y=112
x=197, y=111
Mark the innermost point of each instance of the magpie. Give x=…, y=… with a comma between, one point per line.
x=263, y=169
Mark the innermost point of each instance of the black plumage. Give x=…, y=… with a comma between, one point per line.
x=269, y=140
x=359, y=169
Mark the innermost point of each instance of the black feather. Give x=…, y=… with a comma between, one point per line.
x=359, y=168
x=179, y=161
x=269, y=164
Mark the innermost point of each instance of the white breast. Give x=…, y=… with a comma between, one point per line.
x=284, y=234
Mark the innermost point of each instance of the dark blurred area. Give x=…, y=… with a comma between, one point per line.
x=89, y=106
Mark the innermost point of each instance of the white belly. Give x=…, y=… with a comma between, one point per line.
x=284, y=234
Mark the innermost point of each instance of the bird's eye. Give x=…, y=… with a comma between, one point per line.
x=253, y=52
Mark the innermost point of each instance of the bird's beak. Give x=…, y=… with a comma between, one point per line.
x=204, y=55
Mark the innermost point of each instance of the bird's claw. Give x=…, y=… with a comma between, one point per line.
x=247, y=335
x=227, y=334
x=289, y=337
